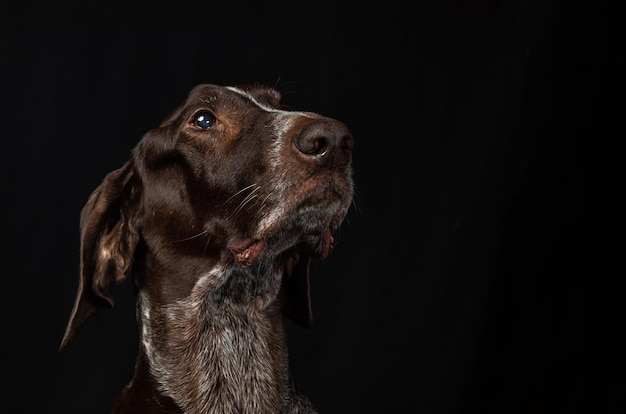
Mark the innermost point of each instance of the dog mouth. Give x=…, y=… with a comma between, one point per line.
x=317, y=244
x=308, y=225
x=247, y=253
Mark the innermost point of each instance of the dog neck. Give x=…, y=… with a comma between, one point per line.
x=212, y=352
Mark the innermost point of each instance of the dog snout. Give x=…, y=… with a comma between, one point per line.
x=327, y=143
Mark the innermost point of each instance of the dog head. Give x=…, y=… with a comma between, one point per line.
x=229, y=177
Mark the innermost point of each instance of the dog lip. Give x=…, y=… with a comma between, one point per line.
x=326, y=245
x=318, y=245
x=247, y=253
x=318, y=242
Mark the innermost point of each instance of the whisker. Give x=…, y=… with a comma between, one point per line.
x=278, y=85
x=265, y=201
x=246, y=200
x=239, y=192
x=277, y=82
x=356, y=202
x=347, y=222
x=191, y=237
x=206, y=245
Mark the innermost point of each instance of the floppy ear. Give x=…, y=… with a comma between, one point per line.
x=108, y=237
x=295, y=290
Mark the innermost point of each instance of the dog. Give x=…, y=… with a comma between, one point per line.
x=216, y=217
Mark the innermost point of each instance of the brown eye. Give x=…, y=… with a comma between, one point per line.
x=204, y=120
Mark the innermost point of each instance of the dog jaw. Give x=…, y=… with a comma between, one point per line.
x=319, y=245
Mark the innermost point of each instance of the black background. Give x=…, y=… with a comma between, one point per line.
x=473, y=272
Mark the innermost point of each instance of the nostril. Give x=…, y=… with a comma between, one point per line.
x=347, y=142
x=313, y=145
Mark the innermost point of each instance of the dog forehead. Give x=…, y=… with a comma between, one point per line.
x=255, y=96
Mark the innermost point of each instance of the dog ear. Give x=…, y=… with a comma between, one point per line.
x=108, y=237
x=295, y=293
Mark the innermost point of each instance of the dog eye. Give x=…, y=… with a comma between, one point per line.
x=204, y=120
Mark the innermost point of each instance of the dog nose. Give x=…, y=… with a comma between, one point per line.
x=326, y=142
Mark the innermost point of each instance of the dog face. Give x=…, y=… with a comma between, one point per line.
x=256, y=178
x=229, y=178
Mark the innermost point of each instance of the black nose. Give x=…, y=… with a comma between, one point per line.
x=326, y=142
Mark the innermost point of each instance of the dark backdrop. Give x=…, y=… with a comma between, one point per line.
x=465, y=277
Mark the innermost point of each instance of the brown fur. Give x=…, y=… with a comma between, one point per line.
x=217, y=224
